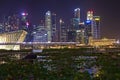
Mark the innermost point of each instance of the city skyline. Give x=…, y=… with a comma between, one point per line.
x=109, y=12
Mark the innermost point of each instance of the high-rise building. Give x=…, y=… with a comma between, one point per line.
x=88, y=30
x=48, y=25
x=63, y=31
x=24, y=23
x=15, y=21
x=54, y=28
x=1, y=28
x=11, y=22
x=81, y=33
x=40, y=34
x=89, y=27
x=71, y=36
x=75, y=23
x=96, y=27
x=92, y=26
x=77, y=13
x=76, y=19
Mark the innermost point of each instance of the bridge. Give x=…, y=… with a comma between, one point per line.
x=39, y=43
x=42, y=45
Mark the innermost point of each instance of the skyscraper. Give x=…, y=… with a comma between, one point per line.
x=11, y=22
x=1, y=28
x=77, y=13
x=88, y=30
x=96, y=27
x=92, y=26
x=15, y=21
x=24, y=21
x=63, y=31
x=25, y=25
x=76, y=22
x=81, y=33
x=76, y=18
x=39, y=34
x=54, y=28
x=48, y=25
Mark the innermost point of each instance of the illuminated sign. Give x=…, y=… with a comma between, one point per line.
x=88, y=21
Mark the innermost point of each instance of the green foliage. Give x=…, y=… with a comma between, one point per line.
x=62, y=66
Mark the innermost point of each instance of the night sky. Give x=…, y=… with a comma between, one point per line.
x=108, y=10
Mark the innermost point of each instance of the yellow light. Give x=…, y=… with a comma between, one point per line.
x=97, y=19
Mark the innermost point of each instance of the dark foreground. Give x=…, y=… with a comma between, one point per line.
x=61, y=64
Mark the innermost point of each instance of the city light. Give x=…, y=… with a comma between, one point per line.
x=77, y=9
x=77, y=30
x=37, y=44
x=61, y=21
x=118, y=41
x=88, y=21
x=48, y=13
x=97, y=19
x=45, y=34
x=24, y=14
x=81, y=23
x=27, y=23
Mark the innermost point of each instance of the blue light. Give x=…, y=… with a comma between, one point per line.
x=88, y=21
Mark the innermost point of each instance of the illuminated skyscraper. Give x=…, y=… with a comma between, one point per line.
x=24, y=21
x=11, y=22
x=75, y=23
x=25, y=25
x=77, y=13
x=90, y=15
x=1, y=28
x=81, y=33
x=88, y=30
x=76, y=19
x=54, y=28
x=92, y=26
x=48, y=25
x=96, y=27
x=15, y=21
x=73, y=31
x=40, y=34
x=63, y=31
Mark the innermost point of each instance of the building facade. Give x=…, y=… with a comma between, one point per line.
x=63, y=31
x=75, y=26
x=40, y=34
x=54, y=28
x=90, y=15
x=92, y=26
x=48, y=25
x=12, y=37
x=11, y=22
x=96, y=27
